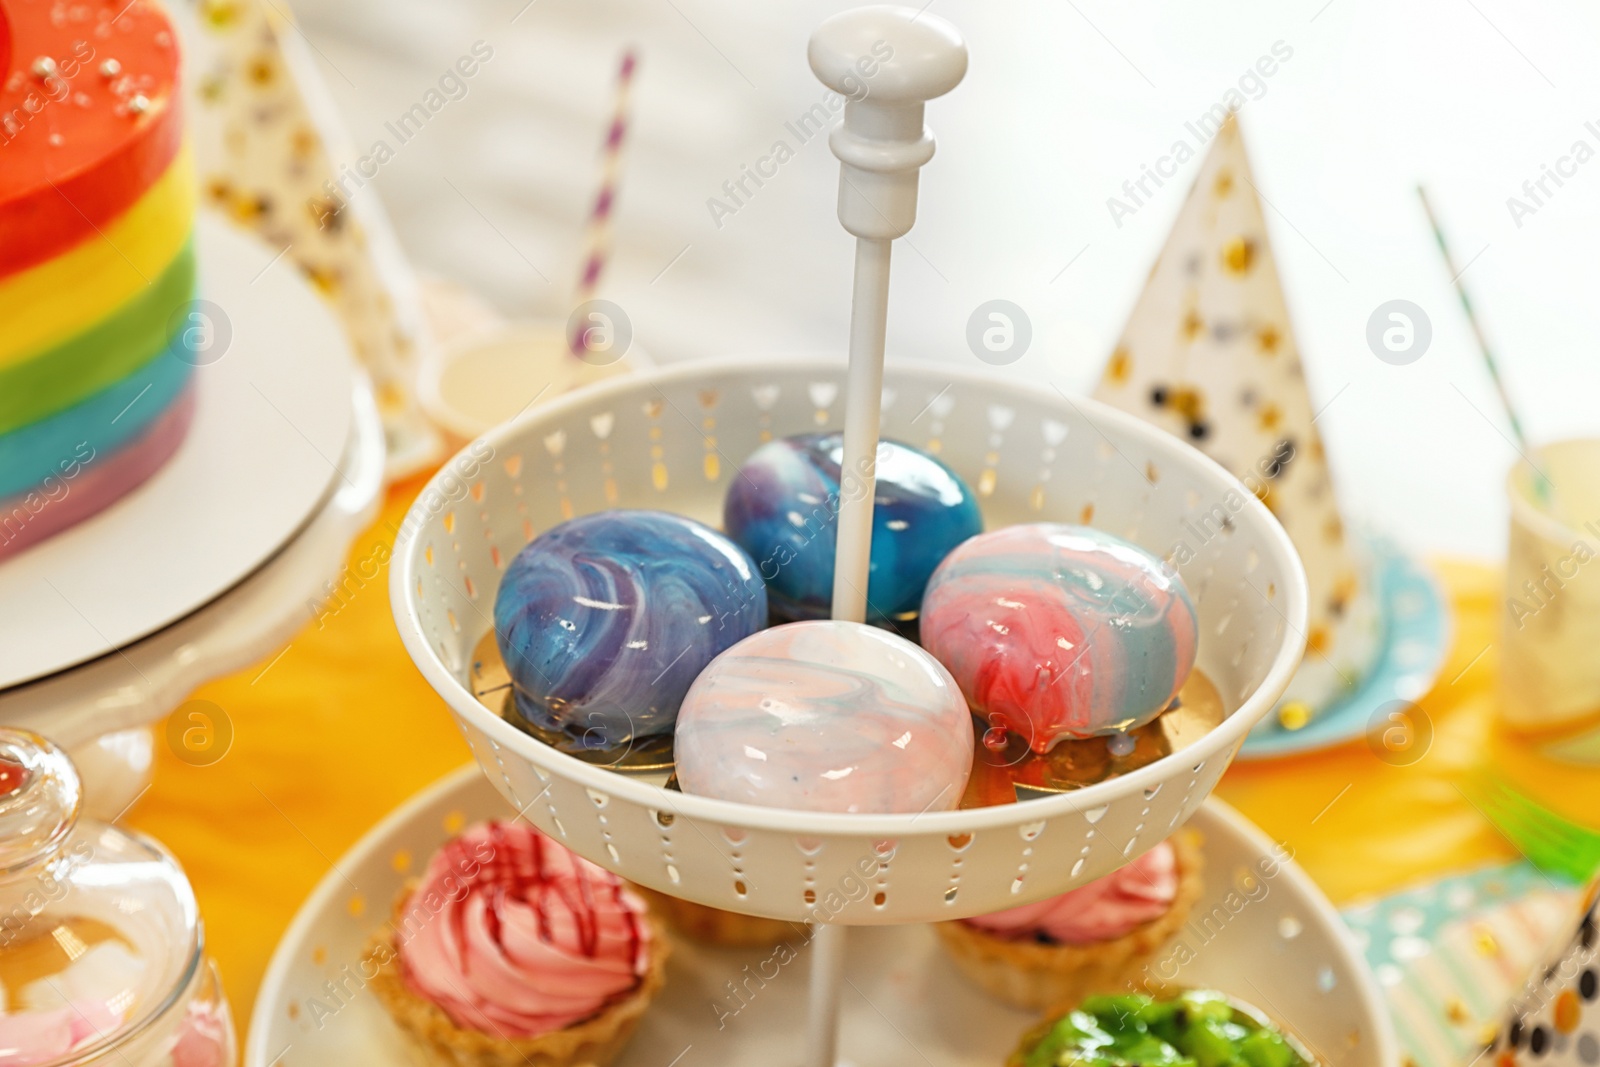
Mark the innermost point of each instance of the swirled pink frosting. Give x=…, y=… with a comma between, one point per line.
x=514, y=936
x=1105, y=909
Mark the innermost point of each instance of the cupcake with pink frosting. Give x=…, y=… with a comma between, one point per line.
x=512, y=951
x=1093, y=939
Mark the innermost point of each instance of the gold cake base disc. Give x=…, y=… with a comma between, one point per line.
x=999, y=776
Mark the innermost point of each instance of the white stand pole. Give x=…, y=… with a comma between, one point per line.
x=827, y=978
x=869, y=319
x=888, y=61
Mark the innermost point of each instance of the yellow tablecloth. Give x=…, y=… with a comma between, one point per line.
x=339, y=728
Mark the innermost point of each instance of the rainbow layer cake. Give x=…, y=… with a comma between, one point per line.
x=97, y=270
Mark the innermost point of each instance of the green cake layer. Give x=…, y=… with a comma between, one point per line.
x=107, y=351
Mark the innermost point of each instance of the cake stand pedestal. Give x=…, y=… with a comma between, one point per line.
x=210, y=565
x=103, y=710
x=273, y=417
x=116, y=769
x=136, y=685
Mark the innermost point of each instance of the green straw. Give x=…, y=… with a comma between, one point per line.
x=1541, y=483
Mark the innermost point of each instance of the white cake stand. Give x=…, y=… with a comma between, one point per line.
x=672, y=440
x=273, y=417
x=160, y=616
x=138, y=684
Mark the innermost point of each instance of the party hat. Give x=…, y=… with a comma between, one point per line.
x=274, y=158
x=1556, y=1020
x=1208, y=354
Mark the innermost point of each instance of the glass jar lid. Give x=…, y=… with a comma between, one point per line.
x=99, y=932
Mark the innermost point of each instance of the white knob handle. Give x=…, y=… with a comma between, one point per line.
x=887, y=61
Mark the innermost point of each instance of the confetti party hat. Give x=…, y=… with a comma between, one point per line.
x=1556, y=1020
x=1208, y=354
x=274, y=158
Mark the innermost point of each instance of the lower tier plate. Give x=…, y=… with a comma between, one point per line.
x=1261, y=932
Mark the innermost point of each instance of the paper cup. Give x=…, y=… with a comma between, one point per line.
x=492, y=378
x=1550, y=672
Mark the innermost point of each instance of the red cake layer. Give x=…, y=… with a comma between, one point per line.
x=90, y=117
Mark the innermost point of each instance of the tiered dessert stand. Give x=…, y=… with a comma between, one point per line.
x=672, y=439
x=211, y=565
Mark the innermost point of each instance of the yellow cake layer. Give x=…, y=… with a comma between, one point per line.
x=47, y=304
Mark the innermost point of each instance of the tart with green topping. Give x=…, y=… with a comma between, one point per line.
x=1191, y=1028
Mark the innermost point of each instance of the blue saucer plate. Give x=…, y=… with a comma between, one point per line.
x=1416, y=638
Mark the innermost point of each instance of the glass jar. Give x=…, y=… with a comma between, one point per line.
x=102, y=954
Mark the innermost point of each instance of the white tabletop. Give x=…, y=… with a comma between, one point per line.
x=1065, y=99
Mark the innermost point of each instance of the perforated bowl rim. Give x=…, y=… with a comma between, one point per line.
x=1223, y=740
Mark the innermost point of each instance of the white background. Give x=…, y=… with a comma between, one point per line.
x=1065, y=99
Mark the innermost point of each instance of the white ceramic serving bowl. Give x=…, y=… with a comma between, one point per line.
x=670, y=440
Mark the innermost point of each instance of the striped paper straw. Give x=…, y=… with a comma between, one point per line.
x=1541, y=482
x=599, y=235
x=1472, y=317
